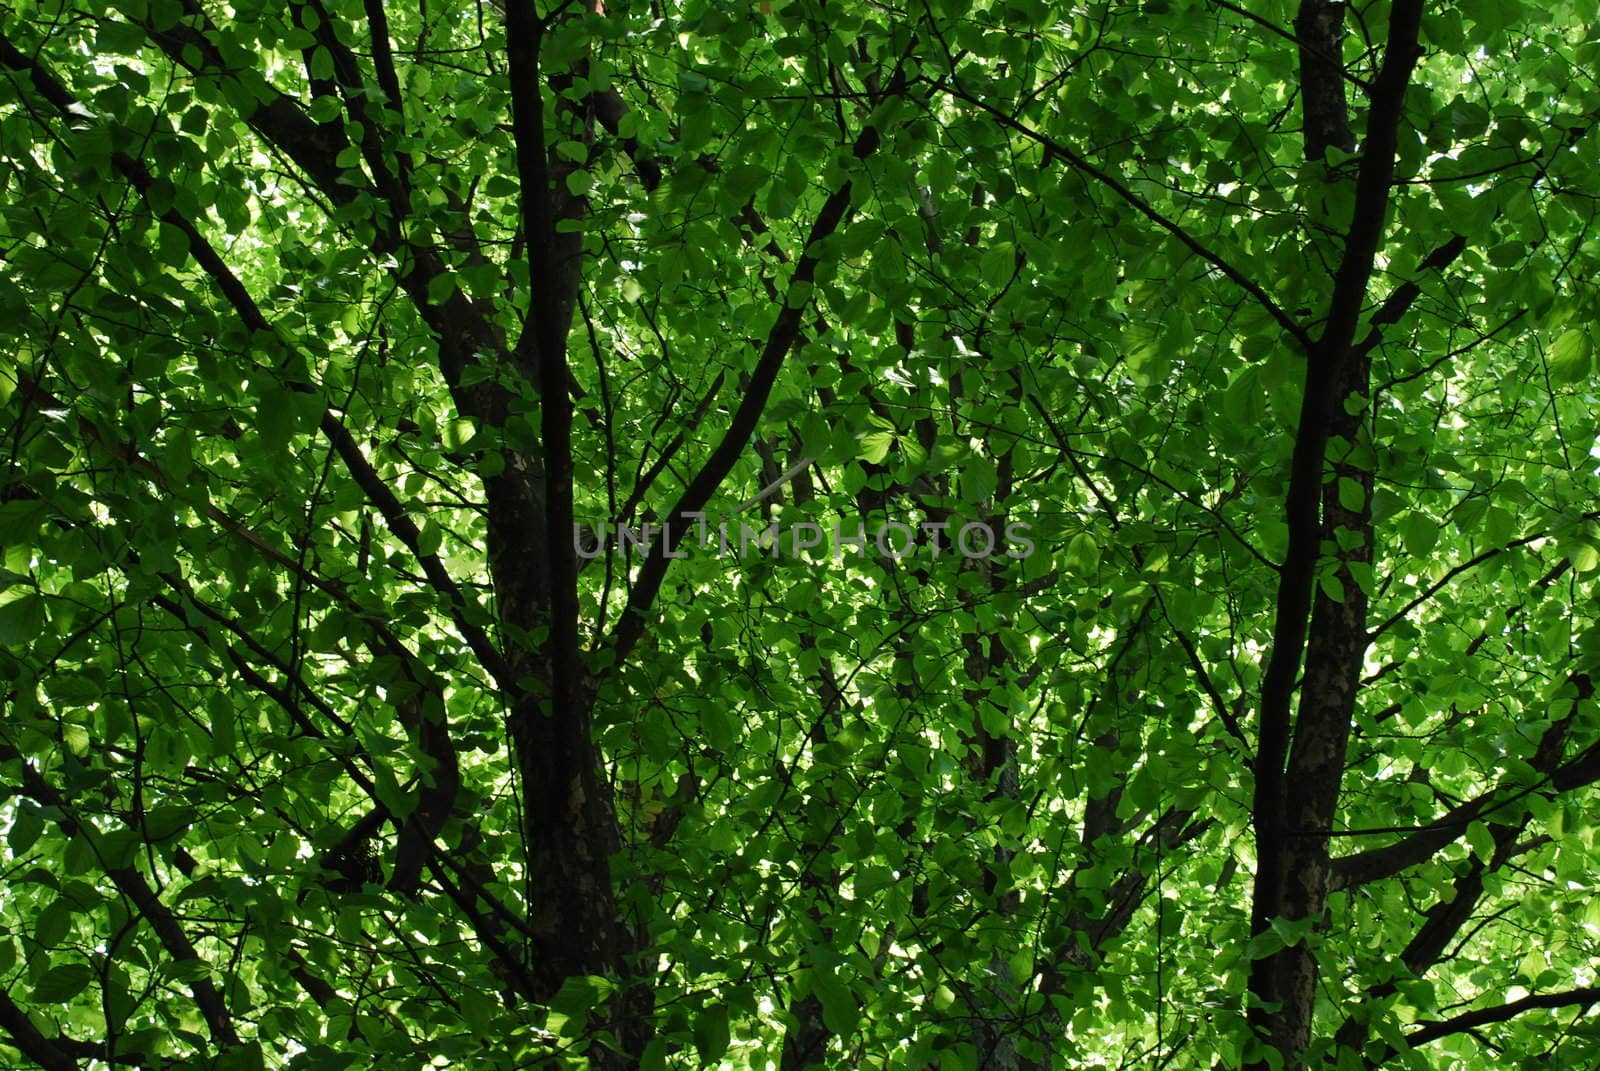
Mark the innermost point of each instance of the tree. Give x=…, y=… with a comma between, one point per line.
x=799, y=535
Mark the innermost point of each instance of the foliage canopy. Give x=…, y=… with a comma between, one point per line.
x=1220, y=373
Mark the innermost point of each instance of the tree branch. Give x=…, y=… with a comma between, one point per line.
x=462, y=325
x=133, y=885
x=29, y=1041
x=546, y=336
x=250, y=315
x=1291, y=877
x=1053, y=147
x=1373, y=180
x=1462, y=567
x=1434, y=1030
x=780, y=340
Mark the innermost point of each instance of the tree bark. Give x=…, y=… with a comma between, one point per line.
x=1321, y=609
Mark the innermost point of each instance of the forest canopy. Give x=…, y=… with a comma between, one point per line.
x=807, y=534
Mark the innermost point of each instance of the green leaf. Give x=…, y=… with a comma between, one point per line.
x=1351, y=494
x=25, y=829
x=1244, y=402
x=429, y=539
x=321, y=65
x=441, y=287
x=277, y=418
x=579, y=183
x=1480, y=840
x=998, y=264
x=579, y=994
x=172, y=245
x=744, y=180
x=711, y=1033
x=875, y=446
x=654, y=1057
x=840, y=1011
x=1266, y=943
x=114, y=36
x=169, y=820
x=1419, y=533
x=55, y=922
x=1292, y=931
x=1571, y=357
x=21, y=620
x=979, y=479
x=1083, y=555
x=61, y=983
x=399, y=802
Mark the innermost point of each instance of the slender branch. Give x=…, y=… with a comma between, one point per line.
x=1260, y=20
x=668, y=452
x=776, y=485
x=383, y=57
x=250, y=315
x=780, y=340
x=1378, y=863
x=1209, y=686
x=133, y=885
x=29, y=1041
x=1373, y=180
x=463, y=326
x=1400, y=300
x=1053, y=147
x=353, y=89
x=1450, y=355
x=1434, y=1030
x=1471, y=563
